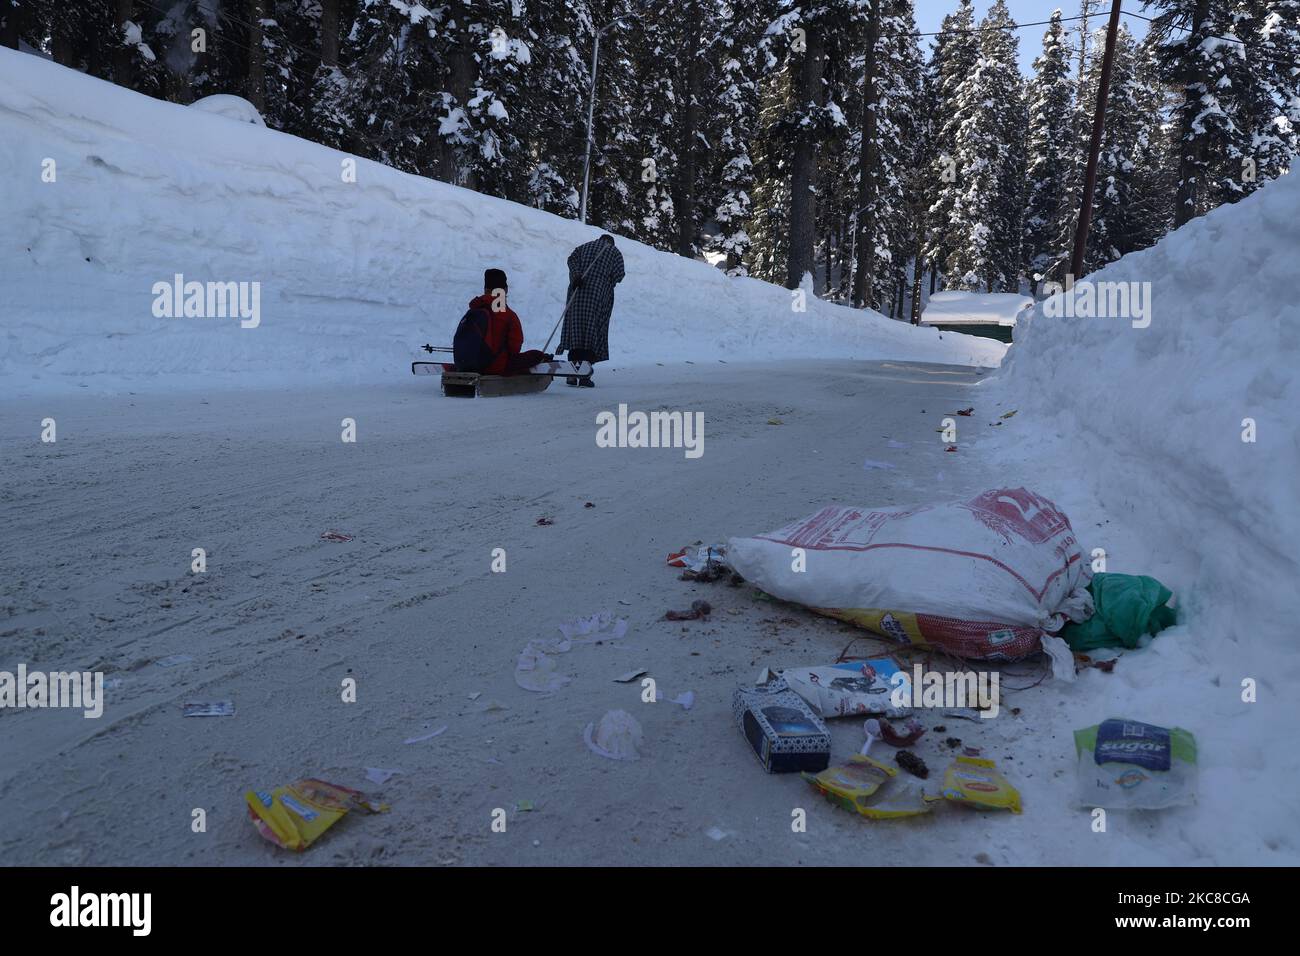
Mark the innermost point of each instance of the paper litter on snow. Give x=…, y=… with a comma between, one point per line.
x=424, y=737
x=617, y=736
x=216, y=708
x=602, y=626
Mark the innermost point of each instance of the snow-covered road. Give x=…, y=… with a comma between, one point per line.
x=100, y=527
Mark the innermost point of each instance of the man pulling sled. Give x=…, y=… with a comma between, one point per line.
x=488, y=344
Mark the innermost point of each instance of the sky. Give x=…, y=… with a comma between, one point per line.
x=930, y=14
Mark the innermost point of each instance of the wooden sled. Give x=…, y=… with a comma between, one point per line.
x=471, y=384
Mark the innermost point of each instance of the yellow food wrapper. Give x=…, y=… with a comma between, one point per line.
x=296, y=815
x=977, y=783
x=869, y=787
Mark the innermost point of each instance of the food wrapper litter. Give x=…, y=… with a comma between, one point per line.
x=295, y=816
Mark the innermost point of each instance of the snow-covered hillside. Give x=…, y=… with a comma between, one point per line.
x=1141, y=433
x=353, y=275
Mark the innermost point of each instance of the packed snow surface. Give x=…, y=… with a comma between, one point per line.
x=357, y=264
x=1175, y=447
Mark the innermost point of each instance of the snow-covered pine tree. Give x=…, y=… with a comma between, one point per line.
x=902, y=154
x=1270, y=34
x=554, y=113
x=736, y=53
x=956, y=51
x=989, y=151
x=1114, y=228
x=1204, y=59
x=1051, y=94
x=1151, y=187
x=616, y=154
x=770, y=211
x=801, y=34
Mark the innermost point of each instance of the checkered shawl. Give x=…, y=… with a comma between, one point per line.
x=586, y=320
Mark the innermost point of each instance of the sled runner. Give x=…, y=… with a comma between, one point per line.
x=471, y=384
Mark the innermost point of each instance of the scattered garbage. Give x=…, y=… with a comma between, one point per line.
x=687, y=699
x=216, y=708
x=617, y=736
x=698, y=556
x=976, y=782
x=1127, y=607
x=601, y=626
x=535, y=670
x=912, y=764
x=380, y=776
x=716, y=833
x=1129, y=765
x=868, y=465
x=295, y=816
x=1058, y=653
x=868, y=787
x=698, y=610
x=966, y=411
x=784, y=733
x=525, y=806
x=337, y=536
x=545, y=522
x=1083, y=662
x=912, y=732
x=424, y=737
x=850, y=689
x=1008, y=560
x=630, y=676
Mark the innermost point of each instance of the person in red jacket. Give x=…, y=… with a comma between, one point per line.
x=505, y=335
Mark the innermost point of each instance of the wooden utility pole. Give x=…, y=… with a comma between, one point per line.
x=1094, y=147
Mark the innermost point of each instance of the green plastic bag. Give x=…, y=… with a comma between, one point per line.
x=1127, y=606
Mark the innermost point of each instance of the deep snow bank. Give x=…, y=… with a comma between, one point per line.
x=353, y=275
x=1138, y=433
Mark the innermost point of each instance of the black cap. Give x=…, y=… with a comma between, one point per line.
x=494, y=279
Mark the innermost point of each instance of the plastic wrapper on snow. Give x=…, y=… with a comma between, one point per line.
x=982, y=579
x=617, y=736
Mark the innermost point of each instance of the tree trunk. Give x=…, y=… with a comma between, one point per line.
x=933, y=277
x=12, y=29
x=256, y=55
x=1189, y=152
x=685, y=181
x=918, y=271
x=862, y=285
x=461, y=72
x=803, y=163
x=122, y=73
x=329, y=33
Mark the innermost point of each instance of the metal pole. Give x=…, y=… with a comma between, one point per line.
x=1098, y=124
x=591, y=112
